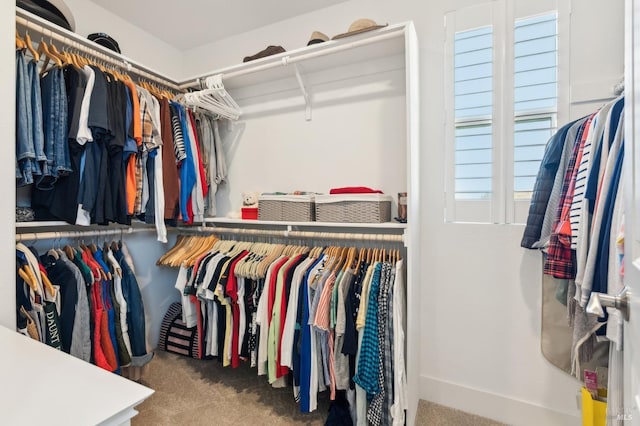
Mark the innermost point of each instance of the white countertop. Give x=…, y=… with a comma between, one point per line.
x=43, y=386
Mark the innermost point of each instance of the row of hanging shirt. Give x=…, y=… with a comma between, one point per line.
x=84, y=301
x=97, y=148
x=334, y=318
x=577, y=217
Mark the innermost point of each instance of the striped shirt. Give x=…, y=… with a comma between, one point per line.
x=559, y=263
x=591, y=145
x=178, y=138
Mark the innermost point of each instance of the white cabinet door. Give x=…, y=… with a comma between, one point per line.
x=631, y=412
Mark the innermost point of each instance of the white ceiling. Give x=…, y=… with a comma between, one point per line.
x=190, y=23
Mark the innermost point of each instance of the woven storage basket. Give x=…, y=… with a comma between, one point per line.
x=291, y=208
x=353, y=208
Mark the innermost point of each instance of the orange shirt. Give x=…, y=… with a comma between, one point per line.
x=136, y=121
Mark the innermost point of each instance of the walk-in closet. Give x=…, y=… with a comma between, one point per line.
x=349, y=212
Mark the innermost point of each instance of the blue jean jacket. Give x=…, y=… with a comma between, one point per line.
x=25, y=152
x=135, y=313
x=54, y=116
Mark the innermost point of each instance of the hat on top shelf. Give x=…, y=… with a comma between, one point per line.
x=105, y=40
x=317, y=37
x=360, y=26
x=268, y=51
x=55, y=11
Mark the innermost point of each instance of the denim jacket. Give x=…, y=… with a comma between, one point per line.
x=135, y=313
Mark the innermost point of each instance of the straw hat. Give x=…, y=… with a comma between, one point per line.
x=317, y=37
x=360, y=26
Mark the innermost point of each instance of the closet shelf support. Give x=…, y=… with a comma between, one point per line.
x=303, y=89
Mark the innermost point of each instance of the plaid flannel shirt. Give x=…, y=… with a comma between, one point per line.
x=377, y=415
x=560, y=260
x=367, y=373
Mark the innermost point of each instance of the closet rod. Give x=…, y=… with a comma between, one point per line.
x=288, y=58
x=388, y=238
x=35, y=236
x=47, y=29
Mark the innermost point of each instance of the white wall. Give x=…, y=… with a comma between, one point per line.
x=480, y=298
x=7, y=174
x=134, y=42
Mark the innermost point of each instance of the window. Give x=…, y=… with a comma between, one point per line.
x=535, y=97
x=504, y=110
x=473, y=100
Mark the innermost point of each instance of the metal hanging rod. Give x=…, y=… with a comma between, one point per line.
x=35, y=236
x=52, y=31
x=340, y=236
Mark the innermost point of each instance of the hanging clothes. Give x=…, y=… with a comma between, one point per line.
x=586, y=223
x=96, y=149
x=286, y=311
x=84, y=301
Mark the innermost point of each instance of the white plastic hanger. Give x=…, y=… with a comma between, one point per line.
x=214, y=98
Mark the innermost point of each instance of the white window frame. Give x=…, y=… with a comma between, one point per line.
x=502, y=208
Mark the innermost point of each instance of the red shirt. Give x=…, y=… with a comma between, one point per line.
x=232, y=292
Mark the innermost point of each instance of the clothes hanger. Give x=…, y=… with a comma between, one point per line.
x=53, y=252
x=48, y=286
x=110, y=259
x=61, y=55
x=20, y=43
x=34, y=53
x=207, y=100
x=176, y=259
x=28, y=278
x=44, y=51
x=338, y=258
x=203, y=245
x=260, y=250
x=270, y=257
x=351, y=254
x=77, y=58
x=215, y=82
x=69, y=251
x=180, y=241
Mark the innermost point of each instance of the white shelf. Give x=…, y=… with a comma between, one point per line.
x=44, y=224
x=59, y=224
x=382, y=43
x=377, y=226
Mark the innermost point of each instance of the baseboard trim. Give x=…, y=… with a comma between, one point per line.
x=490, y=405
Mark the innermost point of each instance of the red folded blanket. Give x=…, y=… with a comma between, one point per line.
x=355, y=190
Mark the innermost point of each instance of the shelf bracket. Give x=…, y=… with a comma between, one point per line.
x=303, y=89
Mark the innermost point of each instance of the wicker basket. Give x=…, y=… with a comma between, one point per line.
x=353, y=208
x=290, y=208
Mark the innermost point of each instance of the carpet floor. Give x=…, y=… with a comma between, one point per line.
x=192, y=392
x=202, y=392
